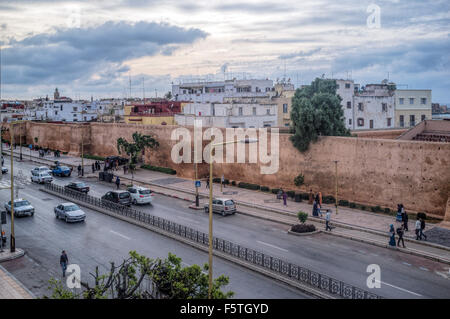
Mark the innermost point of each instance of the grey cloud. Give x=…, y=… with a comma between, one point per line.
x=299, y=54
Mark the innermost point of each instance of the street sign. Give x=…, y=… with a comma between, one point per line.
x=197, y=183
x=3, y=217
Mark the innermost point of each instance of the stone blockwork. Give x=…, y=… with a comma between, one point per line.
x=380, y=172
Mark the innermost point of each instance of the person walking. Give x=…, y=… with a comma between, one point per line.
x=422, y=227
x=404, y=219
x=392, y=236
x=314, y=211
x=3, y=161
x=418, y=224
x=207, y=183
x=93, y=168
x=124, y=169
x=63, y=261
x=327, y=221
x=79, y=170
x=284, y=198
x=118, y=182
x=223, y=180
x=400, y=232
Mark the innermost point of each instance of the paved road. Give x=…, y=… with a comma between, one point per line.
x=402, y=275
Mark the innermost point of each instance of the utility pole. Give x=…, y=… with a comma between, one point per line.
x=13, y=237
x=336, y=178
x=82, y=152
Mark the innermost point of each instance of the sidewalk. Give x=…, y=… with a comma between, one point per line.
x=10, y=287
x=351, y=223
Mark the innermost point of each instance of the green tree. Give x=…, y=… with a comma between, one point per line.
x=134, y=149
x=168, y=95
x=316, y=111
x=299, y=180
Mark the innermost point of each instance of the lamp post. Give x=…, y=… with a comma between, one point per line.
x=336, y=189
x=210, y=235
x=82, y=153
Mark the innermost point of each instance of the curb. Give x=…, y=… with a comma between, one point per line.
x=303, y=288
x=17, y=254
x=304, y=234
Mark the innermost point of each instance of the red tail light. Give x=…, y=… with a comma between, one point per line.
x=141, y=196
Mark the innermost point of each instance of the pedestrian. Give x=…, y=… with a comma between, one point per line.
x=79, y=170
x=327, y=220
x=280, y=193
x=284, y=198
x=223, y=180
x=64, y=260
x=117, y=165
x=418, y=224
x=93, y=168
x=124, y=169
x=422, y=227
x=400, y=232
x=314, y=211
x=392, y=236
x=3, y=161
x=404, y=219
x=118, y=182
x=207, y=183
x=310, y=197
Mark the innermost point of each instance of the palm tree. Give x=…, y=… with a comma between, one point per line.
x=134, y=149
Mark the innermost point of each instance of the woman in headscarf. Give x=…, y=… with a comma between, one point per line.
x=392, y=235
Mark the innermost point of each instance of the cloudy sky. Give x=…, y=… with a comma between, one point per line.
x=96, y=47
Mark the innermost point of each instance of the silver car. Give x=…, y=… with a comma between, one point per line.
x=22, y=207
x=70, y=212
x=224, y=206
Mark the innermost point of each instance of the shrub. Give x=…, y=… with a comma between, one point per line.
x=275, y=190
x=299, y=180
x=422, y=215
x=233, y=183
x=93, y=157
x=166, y=170
x=302, y=217
x=387, y=211
x=305, y=196
x=352, y=205
x=329, y=199
x=362, y=207
x=265, y=189
x=343, y=202
x=291, y=194
x=303, y=228
x=65, y=153
x=249, y=186
x=216, y=180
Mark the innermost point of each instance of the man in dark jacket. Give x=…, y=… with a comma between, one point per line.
x=400, y=232
x=118, y=182
x=422, y=227
x=63, y=261
x=405, y=219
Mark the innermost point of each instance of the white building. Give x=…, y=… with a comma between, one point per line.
x=215, y=92
x=244, y=115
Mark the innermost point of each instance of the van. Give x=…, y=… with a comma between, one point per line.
x=223, y=206
x=118, y=197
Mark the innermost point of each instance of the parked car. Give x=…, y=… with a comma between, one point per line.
x=4, y=170
x=118, y=197
x=224, y=206
x=41, y=177
x=41, y=169
x=122, y=160
x=140, y=195
x=70, y=212
x=62, y=171
x=22, y=207
x=78, y=186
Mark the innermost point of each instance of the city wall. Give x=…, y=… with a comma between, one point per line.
x=380, y=172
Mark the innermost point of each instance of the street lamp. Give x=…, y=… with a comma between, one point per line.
x=210, y=236
x=336, y=180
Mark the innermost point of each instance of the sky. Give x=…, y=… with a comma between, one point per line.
x=97, y=48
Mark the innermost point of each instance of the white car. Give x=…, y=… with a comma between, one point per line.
x=22, y=207
x=41, y=169
x=41, y=177
x=70, y=212
x=140, y=195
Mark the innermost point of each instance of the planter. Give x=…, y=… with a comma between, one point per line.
x=303, y=229
x=304, y=234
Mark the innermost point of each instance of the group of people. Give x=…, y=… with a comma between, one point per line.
x=96, y=166
x=111, y=165
x=402, y=217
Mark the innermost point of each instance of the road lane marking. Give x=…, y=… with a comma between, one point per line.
x=119, y=234
x=423, y=268
x=273, y=246
x=405, y=263
x=399, y=288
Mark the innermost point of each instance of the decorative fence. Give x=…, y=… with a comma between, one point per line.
x=300, y=274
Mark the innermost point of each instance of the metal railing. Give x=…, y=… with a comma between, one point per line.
x=276, y=265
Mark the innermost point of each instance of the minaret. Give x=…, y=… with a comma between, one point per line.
x=56, y=94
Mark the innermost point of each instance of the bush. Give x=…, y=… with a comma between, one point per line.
x=275, y=190
x=303, y=228
x=290, y=194
x=362, y=207
x=352, y=205
x=302, y=217
x=233, y=183
x=298, y=197
x=422, y=215
x=65, y=153
x=329, y=199
x=249, y=186
x=305, y=196
x=93, y=157
x=387, y=211
x=265, y=189
x=299, y=180
x=343, y=202
x=376, y=209
x=166, y=170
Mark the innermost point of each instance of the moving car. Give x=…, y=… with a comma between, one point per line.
x=62, y=171
x=41, y=169
x=78, y=186
x=118, y=197
x=70, y=212
x=4, y=170
x=41, y=177
x=224, y=206
x=140, y=195
x=22, y=207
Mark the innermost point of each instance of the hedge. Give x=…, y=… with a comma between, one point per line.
x=343, y=202
x=166, y=170
x=249, y=186
x=265, y=189
x=275, y=190
x=94, y=157
x=329, y=200
x=291, y=194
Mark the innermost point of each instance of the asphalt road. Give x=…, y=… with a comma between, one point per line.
x=103, y=238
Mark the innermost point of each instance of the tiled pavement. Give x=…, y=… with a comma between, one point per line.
x=11, y=288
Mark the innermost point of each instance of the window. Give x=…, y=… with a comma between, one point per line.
x=402, y=121
x=240, y=111
x=56, y=112
x=389, y=122
x=360, y=122
x=360, y=107
x=411, y=100
x=401, y=101
x=384, y=107
x=412, y=120
x=349, y=104
x=423, y=118
x=349, y=121
x=423, y=100
x=347, y=85
x=286, y=124
x=371, y=123
x=75, y=108
x=268, y=112
x=285, y=108
x=254, y=111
